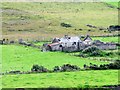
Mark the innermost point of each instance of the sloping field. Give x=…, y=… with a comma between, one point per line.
x=43, y=20
x=23, y=58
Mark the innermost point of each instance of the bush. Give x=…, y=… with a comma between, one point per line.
x=65, y=25
x=104, y=66
x=109, y=53
x=86, y=67
x=56, y=69
x=37, y=68
x=82, y=55
x=15, y=72
x=114, y=65
x=93, y=51
x=66, y=67
x=94, y=67
x=90, y=49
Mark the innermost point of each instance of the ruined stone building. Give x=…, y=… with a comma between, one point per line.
x=64, y=44
x=104, y=46
x=72, y=44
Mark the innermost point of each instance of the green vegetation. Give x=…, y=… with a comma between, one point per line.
x=37, y=68
x=108, y=55
x=113, y=53
x=93, y=51
x=116, y=4
x=22, y=58
x=37, y=20
x=81, y=79
x=43, y=21
x=113, y=65
x=96, y=54
x=106, y=39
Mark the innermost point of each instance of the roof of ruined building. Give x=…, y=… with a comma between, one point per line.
x=55, y=40
x=87, y=38
x=54, y=44
x=70, y=39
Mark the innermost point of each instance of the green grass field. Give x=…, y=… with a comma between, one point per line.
x=116, y=4
x=15, y=57
x=81, y=79
x=107, y=39
x=41, y=21
x=22, y=58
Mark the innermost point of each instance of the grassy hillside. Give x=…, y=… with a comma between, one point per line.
x=43, y=20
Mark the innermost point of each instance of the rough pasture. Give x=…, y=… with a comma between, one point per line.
x=38, y=20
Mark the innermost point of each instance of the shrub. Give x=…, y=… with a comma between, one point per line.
x=104, y=67
x=15, y=72
x=93, y=51
x=94, y=67
x=65, y=25
x=82, y=55
x=66, y=67
x=114, y=65
x=90, y=49
x=109, y=53
x=86, y=67
x=56, y=68
x=37, y=68
x=80, y=29
x=89, y=30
